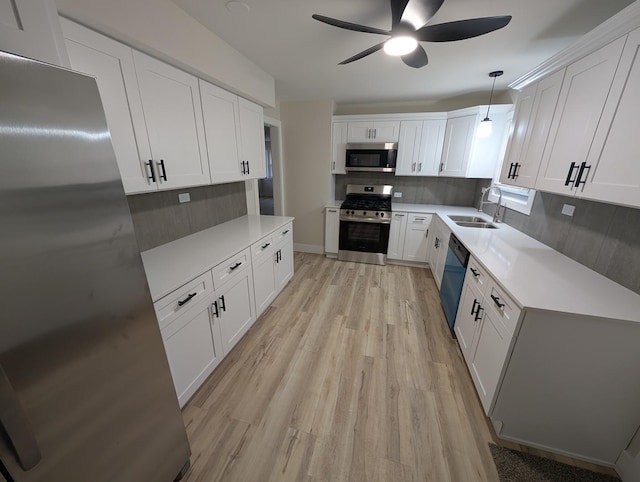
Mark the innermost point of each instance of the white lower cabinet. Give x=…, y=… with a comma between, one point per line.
x=437, y=245
x=332, y=230
x=205, y=318
x=397, y=230
x=234, y=308
x=485, y=326
x=415, y=238
x=272, y=259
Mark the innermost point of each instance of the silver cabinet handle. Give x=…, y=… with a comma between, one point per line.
x=375, y=133
x=413, y=167
x=333, y=165
x=332, y=211
x=16, y=425
x=399, y=215
x=419, y=166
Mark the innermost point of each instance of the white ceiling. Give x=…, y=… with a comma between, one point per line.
x=302, y=54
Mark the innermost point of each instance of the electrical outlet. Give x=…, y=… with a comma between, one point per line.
x=568, y=209
x=397, y=194
x=184, y=197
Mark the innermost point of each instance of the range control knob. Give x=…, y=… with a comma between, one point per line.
x=377, y=214
x=364, y=213
x=382, y=215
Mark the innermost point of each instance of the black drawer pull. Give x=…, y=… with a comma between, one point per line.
x=473, y=308
x=478, y=316
x=153, y=173
x=223, y=306
x=214, y=309
x=474, y=272
x=164, y=171
x=187, y=299
x=285, y=232
x=235, y=266
x=265, y=246
x=496, y=300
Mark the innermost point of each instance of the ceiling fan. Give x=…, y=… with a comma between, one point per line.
x=409, y=20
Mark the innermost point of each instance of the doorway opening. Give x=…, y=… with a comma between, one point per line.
x=265, y=186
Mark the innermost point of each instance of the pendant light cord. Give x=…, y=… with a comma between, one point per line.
x=491, y=96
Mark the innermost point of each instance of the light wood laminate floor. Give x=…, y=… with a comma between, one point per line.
x=350, y=375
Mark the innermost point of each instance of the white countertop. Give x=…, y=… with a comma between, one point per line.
x=173, y=264
x=333, y=204
x=535, y=275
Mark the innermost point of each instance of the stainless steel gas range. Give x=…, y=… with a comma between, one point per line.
x=365, y=219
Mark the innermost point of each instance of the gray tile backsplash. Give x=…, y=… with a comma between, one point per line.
x=159, y=218
x=603, y=237
x=453, y=191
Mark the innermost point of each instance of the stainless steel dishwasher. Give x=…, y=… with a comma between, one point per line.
x=455, y=268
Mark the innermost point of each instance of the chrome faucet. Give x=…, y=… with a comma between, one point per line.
x=498, y=215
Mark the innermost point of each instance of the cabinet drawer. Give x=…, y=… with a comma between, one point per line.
x=180, y=300
x=262, y=248
x=417, y=221
x=505, y=309
x=283, y=232
x=477, y=275
x=229, y=269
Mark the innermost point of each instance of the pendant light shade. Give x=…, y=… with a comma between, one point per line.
x=484, y=128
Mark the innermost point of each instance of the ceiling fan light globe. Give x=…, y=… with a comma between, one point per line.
x=484, y=128
x=400, y=45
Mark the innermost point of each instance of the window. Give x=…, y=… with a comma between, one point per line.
x=516, y=198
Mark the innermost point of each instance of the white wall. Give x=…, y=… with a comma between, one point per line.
x=162, y=29
x=306, y=136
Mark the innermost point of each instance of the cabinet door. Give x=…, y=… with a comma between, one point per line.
x=467, y=325
x=252, y=139
x=458, y=142
x=489, y=358
x=415, y=239
x=442, y=242
x=332, y=230
x=396, y=235
x=221, y=128
x=338, y=147
x=30, y=28
x=582, y=98
x=544, y=106
x=284, y=262
x=194, y=349
x=360, y=132
x=613, y=159
x=236, y=309
x=409, y=148
x=431, y=144
x=111, y=63
x=386, y=131
x=521, y=126
x=173, y=115
x=264, y=282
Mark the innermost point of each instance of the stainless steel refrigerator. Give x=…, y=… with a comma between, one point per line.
x=85, y=388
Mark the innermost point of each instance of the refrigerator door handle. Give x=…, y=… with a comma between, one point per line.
x=16, y=425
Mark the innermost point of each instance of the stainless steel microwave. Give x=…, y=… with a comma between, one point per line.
x=372, y=157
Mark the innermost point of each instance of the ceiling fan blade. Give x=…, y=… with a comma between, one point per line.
x=416, y=59
x=461, y=29
x=364, y=53
x=349, y=26
x=397, y=9
x=418, y=12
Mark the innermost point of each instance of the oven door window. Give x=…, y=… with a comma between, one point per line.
x=364, y=237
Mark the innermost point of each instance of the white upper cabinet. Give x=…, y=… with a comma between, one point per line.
x=458, y=142
x=533, y=117
x=584, y=93
x=174, y=125
x=374, y=131
x=111, y=63
x=222, y=129
x=252, y=145
x=612, y=171
x=464, y=153
x=420, y=147
x=30, y=28
x=338, y=147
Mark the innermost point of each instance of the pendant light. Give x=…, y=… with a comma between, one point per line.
x=484, y=128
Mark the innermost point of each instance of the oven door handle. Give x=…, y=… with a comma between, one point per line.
x=365, y=220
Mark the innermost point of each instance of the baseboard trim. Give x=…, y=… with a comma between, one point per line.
x=308, y=248
x=401, y=262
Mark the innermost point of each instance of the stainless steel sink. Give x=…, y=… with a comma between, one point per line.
x=468, y=219
x=482, y=225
